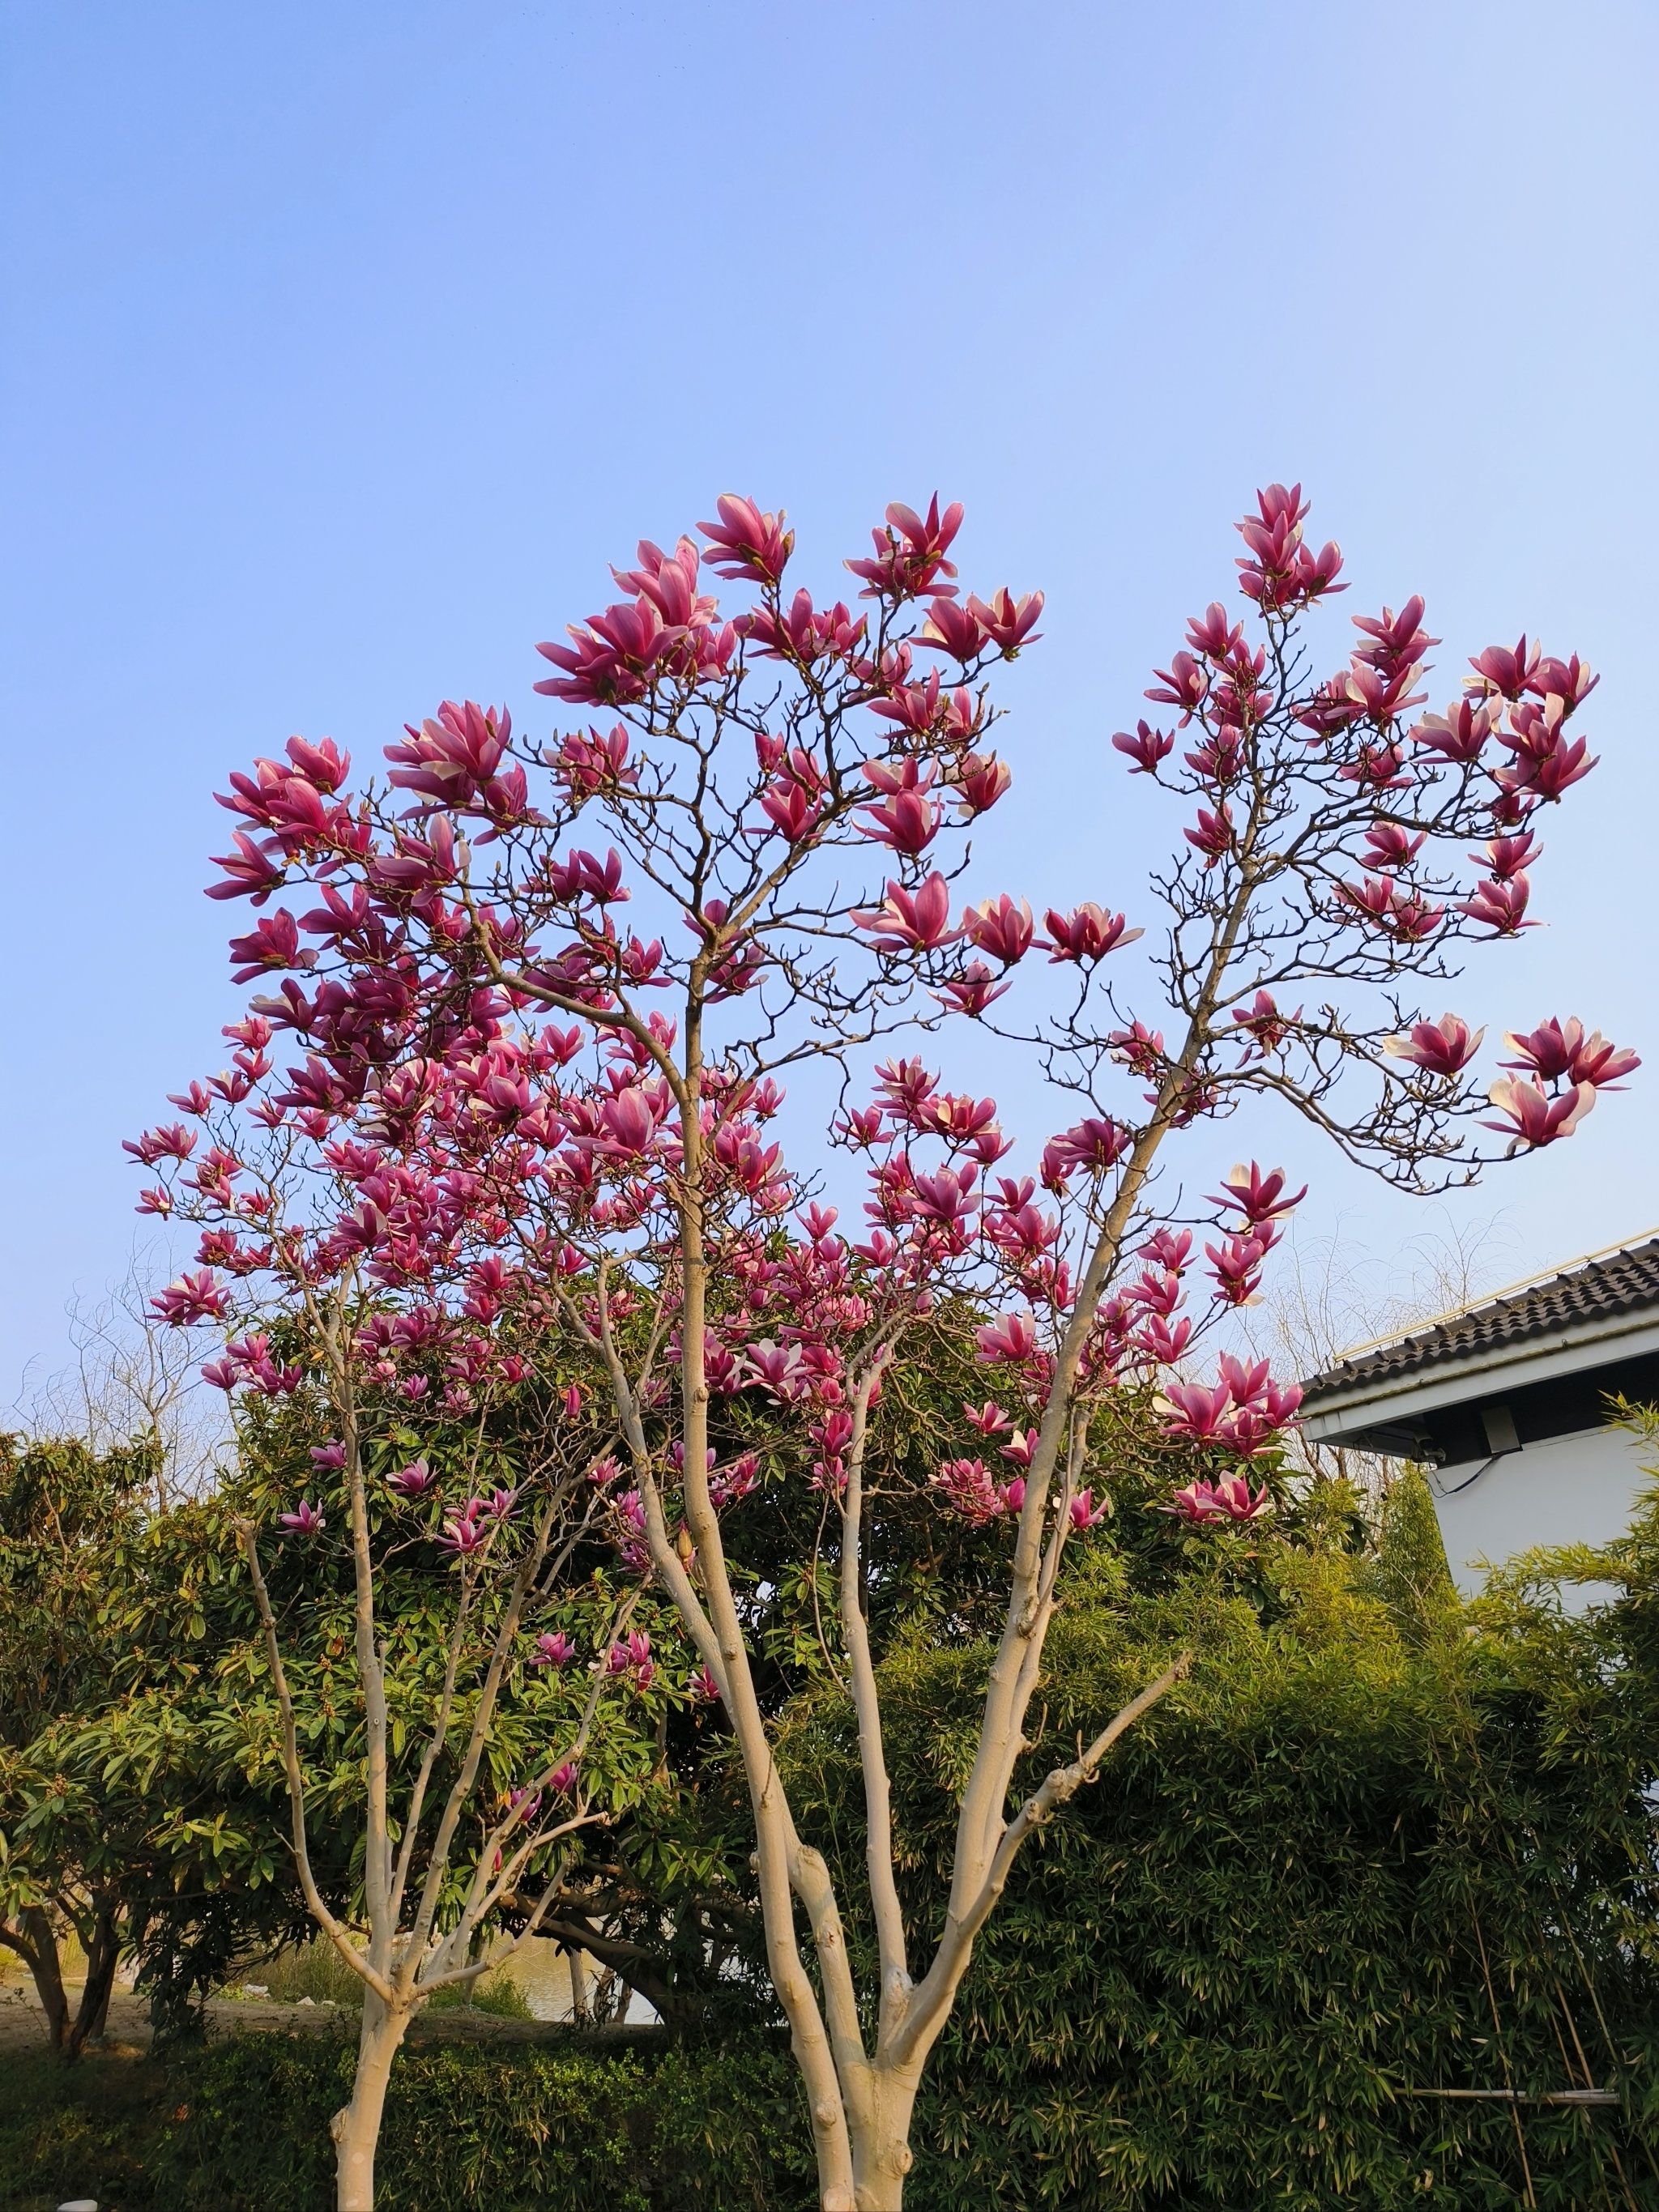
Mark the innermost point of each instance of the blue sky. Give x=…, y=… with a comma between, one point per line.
x=345, y=347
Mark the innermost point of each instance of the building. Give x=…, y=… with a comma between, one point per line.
x=1506, y=1405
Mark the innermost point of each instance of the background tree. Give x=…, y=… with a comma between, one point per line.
x=67, y=1856
x=622, y=1170
x=132, y=1377
x=377, y=1316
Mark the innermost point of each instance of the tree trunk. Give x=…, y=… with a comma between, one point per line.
x=103, y=1954
x=356, y=2126
x=40, y=1947
x=878, y=2127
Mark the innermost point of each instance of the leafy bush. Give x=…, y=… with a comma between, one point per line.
x=86, y=2131
x=632, y=2130
x=1377, y=1848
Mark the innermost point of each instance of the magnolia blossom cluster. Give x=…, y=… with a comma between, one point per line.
x=521, y=1005
x=1409, y=792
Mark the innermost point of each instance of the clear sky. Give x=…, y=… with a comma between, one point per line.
x=345, y=346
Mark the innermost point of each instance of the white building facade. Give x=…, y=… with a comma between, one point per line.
x=1508, y=1405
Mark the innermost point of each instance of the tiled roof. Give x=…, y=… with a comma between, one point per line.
x=1622, y=1281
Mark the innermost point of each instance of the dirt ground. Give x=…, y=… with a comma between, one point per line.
x=22, y=2024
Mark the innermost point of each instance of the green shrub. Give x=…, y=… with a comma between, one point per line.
x=548, y=2128
x=84, y=2131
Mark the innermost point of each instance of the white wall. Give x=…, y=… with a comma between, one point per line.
x=1572, y=1490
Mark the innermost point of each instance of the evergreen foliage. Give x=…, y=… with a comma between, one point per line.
x=1375, y=1847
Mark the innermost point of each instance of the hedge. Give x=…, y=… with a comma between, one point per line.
x=242, y=2126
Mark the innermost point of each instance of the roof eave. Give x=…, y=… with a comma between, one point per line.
x=1329, y=1415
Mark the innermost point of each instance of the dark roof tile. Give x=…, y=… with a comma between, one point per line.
x=1621, y=1282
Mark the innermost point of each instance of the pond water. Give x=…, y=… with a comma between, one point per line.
x=542, y=1971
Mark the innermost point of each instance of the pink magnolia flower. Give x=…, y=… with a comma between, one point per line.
x=250, y=871
x=1162, y=1339
x=989, y=1419
x=1195, y=1502
x=729, y=1485
x=1236, y=1265
x=522, y=1806
x=1245, y=1383
x=1532, y=1117
x=1006, y=621
x=781, y=1367
x=949, y=1196
x=572, y=1402
x=974, y=990
x=1087, y=933
x=921, y=708
x=1460, y=735
x=192, y=1298
x=174, y=1142
x=1002, y=927
x=1507, y=856
x=1501, y=904
x=1395, y=640
x=1504, y=670
x=1280, y=570
x=1598, y=1062
x=979, y=779
x=1546, y=761
x=907, y=820
x=304, y=1520
x=562, y=1780
x=910, y=556
x=1213, y=836
x=1184, y=683
x=1013, y=1337
x=555, y=1649
x=953, y=628
x=748, y=542
x=1198, y=1412
x=702, y=1688
x=794, y=810
x=669, y=580
x=911, y=921
x=968, y=1489
x=413, y=1480
x=1390, y=846
x=1146, y=748
x=463, y=1537
x=630, y=1119
x=1086, y=1514
x=1230, y=1499
x=1258, y=1196
x=631, y=1660
x=1398, y=912
x=583, y=876
x=1262, y=1021
x=1094, y=1143
x=457, y=760
x=587, y=762
x=1557, y=1048
x=1441, y=1047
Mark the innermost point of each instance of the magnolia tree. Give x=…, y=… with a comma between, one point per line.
x=503, y=1702
x=547, y=988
